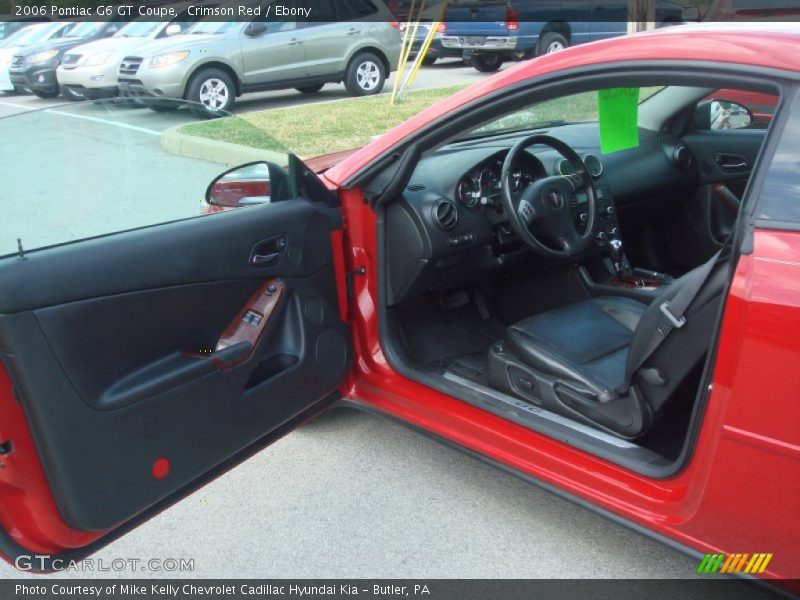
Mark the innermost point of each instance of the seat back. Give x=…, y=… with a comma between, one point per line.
x=684, y=350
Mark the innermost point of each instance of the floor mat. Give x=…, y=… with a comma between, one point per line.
x=433, y=336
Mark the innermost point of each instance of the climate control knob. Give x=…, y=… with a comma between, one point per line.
x=606, y=212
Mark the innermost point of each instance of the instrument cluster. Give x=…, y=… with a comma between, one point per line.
x=481, y=185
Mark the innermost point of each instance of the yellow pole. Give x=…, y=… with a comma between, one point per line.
x=405, y=51
x=424, y=50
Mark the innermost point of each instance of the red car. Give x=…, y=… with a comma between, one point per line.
x=566, y=270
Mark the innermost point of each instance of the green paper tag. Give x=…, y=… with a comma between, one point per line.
x=619, y=118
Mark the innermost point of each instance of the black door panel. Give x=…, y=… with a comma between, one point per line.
x=725, y=155
x=98, y=336
x=725, y=158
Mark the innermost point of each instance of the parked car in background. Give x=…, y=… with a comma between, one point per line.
x=27, y=36
x=436, y=50
x=215, y=62
x=491, y=32
x=35, y=67
x=90, y=70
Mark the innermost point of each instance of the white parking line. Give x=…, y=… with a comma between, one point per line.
x=21, y=106
x=85, y=117
x=105, y=122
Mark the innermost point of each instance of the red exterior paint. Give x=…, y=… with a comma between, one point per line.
x=732, y=496
x=27, y=509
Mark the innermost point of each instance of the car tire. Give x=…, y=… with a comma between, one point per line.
x=365, y=75
x=487, y=63
x=310, y=89
x=46, y=95
x=429, y=60
x=552, y=42
x=72, y=95
x=214, y=90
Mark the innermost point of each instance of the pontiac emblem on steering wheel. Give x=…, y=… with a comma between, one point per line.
x=555, y=199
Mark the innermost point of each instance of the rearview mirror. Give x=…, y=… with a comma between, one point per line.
x=246, y=185
x=722, y=114
x=172, y=29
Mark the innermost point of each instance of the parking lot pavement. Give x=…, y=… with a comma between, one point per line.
x=443, y=73
x=356, y=495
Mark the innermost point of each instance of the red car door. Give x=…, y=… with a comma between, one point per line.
x=138, y=365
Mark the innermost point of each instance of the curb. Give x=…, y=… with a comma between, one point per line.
x=225, y=153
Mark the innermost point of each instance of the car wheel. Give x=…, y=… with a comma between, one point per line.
x=487, y=63
x=46, y=95
x=214, y=90
x=429, y=60
x=72, y=95
x=552, y=42
x=310, y=89
x=365, y=75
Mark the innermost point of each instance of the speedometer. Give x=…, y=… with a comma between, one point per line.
x=489, y=184
x=468, y=192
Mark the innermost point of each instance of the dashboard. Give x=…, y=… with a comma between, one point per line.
x=449, y=227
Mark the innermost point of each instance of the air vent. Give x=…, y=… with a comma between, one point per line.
x=682, y=157
x=415, y=187
x=445, y=214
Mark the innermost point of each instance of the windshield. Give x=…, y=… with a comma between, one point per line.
x=212, y=27
x=28, y=35
x=138, y=29
x=577, y=108
x=85, y=29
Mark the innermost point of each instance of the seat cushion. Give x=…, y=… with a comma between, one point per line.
x=585, y=343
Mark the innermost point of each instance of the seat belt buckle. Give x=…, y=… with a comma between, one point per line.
x=677, y=323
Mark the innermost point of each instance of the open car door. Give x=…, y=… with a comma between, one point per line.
x=138, y=365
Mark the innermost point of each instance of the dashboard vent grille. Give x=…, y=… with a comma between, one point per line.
x=415, y=187
x=445, y=214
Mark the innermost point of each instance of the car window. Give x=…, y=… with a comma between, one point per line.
x=111, y=169
x=138, y=29
x=779, y=200
x=85, y=29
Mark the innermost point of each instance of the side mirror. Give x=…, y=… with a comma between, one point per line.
x=256, y=28
x=172, y=29
x=246, y=185
x=112, y=30
x=691, y=13
x=713, y=115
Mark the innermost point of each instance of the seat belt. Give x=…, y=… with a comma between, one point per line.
x=673, y=311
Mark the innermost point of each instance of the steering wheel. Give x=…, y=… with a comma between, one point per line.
x=543, y=212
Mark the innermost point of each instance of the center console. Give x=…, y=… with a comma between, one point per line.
x=613, y=273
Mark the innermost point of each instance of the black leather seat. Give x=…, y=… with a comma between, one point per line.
x=585, y=342
x=580, y=360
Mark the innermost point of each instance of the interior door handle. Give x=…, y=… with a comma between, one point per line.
x=264, y=260
x=731, y=162
x=268, y=252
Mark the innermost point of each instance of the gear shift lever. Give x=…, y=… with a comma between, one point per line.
x=617, y=256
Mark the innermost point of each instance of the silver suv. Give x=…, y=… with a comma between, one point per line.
x=354, y=41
